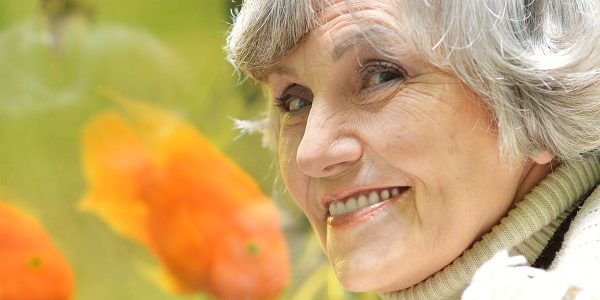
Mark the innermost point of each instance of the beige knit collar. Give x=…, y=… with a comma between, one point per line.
x=524, y=231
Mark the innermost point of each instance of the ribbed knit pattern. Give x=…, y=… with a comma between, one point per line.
x=580, y=255
x=524, y=231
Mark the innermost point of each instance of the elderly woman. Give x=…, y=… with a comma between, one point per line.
x=422, y=137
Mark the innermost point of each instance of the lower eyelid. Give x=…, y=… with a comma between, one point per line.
x=292, y=119
x=379, y=93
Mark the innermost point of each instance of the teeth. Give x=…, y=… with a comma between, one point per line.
x=373, y=198
x=385, y=194
x=351, y=204
x=362, y=202
x=363, y=198
x=340, y=207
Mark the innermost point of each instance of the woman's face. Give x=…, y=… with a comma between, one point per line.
x=395, y=164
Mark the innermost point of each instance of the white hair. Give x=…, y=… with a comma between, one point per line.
x=536, y=63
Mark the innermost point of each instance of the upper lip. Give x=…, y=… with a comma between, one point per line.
x=345, y=193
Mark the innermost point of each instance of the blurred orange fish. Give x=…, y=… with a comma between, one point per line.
x=31, y=267
x=154, y=178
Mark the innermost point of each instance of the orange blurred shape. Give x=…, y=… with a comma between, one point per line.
x=155, y=179
x=31, y=267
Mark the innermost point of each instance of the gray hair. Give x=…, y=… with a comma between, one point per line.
x=536, y=63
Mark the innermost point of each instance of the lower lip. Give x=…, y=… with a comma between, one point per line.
x=359, y=216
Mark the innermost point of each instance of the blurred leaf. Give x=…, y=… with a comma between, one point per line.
x=313, y=286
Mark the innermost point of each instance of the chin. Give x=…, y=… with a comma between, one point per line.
x=357, y=282
x=362, y=277
x=362, y=283
x=372, y=274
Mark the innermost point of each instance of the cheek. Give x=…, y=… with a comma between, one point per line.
x=446, y=142
x=286, y=154
x=293, y=178
x=296, y=182
x=432, y=130
x=409, y=131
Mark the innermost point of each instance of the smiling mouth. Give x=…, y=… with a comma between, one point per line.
x=363, y=199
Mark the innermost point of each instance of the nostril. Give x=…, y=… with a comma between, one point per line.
x=311, y=164
x=325, y=149
x=329, y=160
x=337, y=168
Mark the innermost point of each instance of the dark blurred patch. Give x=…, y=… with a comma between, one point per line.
x=57, y=10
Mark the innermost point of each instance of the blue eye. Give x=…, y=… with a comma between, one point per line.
x=294, y=103
x=381, y=77
x=294, y=98
x=380, y=73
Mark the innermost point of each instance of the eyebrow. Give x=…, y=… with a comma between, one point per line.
x=359, y=37
x=364, y=36
x=282, y=70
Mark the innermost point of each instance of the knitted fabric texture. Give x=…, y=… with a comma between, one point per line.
x=526, y=230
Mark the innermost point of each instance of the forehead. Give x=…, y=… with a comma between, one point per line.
x=354, y=11
x=347, y=25
x=349, y=22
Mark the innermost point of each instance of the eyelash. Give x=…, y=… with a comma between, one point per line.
x=379, y=67
x=372, y=68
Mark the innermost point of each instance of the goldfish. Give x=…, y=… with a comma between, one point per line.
x=31, y=267
x=155, y=179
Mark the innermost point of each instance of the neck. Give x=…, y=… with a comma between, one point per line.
x=525, y=231
x=532, y=175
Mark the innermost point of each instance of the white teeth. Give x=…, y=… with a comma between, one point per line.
x=373, y=198
x=362, y=202
x=364, y=198
x=385, y=194
x=341, y=208
x=351, y=204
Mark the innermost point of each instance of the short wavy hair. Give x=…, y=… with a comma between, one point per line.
x=536, y=63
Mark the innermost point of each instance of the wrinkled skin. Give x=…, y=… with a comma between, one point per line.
x=357, y=120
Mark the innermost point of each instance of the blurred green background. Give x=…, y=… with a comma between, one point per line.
x=55, y=56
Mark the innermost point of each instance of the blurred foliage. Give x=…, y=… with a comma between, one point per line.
x=55, y=56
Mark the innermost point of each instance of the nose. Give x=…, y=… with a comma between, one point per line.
x=328, y=147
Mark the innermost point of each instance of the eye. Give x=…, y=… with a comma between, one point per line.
x=294, y=99
x=295, y=103
x=380, y=73
x=380, y=77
